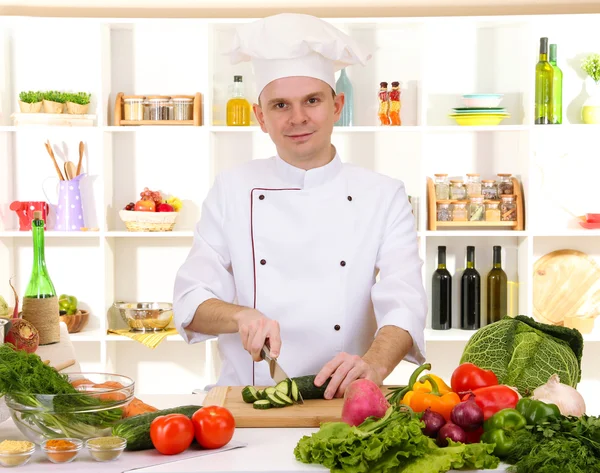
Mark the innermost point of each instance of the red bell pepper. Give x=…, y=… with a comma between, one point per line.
x=468, y=377
x=492, y=399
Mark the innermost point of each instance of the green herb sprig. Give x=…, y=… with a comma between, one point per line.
x=81, y=98
x=591, y=66
x=55, y=96
x=31, y=96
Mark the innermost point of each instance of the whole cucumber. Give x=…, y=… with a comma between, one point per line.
x=136, y=430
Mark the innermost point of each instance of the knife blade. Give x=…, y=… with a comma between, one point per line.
x=277, y=373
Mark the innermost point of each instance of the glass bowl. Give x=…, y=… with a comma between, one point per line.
x=16, y=459
x=145, y=316
x=56, y=455
x=106, y=453
x=91, y=412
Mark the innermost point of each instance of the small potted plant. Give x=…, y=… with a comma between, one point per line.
x=78, y=103
x=591, y=108
x=30, y=102
x=54, y=101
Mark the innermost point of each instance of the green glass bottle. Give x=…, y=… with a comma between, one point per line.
x=557, y=77
x=543, y=86
x=40, y=304
x=496, y=289
x=441, y=294
x=470, y=290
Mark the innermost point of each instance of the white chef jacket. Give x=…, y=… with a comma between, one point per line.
x=304, y=248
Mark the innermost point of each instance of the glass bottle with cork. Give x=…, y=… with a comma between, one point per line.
x=492, y=212
x=238, y=107
x=473, y=185
x=470, y=291
x=557, y=77
x=508, y=208
x=457, y=190
x=344, y=86
x=40, y=304
x=543, y=86
x=496, y=289
x=489, y=190
x=441, y=294
x=442, y=187
x=459, y=211
x=505, y=185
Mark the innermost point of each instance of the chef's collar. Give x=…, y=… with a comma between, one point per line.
x=303, y=179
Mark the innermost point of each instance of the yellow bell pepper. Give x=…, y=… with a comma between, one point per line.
x=423, y=385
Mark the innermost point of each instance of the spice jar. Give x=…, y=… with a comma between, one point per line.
x=457, y=190
x=492, y=212
x=61, y=450
x=505, y=185
x=473, y=185
x=508, y=208
x=105, y=449
x=133, y=107
x=459, y=210
x=489, y=189
x=158, y=107
x=476, y=209
x=443, y=211
x=15, y=452
x=183, y=107
x=442, y=187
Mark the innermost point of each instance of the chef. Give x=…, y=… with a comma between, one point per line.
x=288, y=249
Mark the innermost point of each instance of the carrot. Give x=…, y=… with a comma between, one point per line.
x=81, y=382
x=137, y=407
x=115, y=396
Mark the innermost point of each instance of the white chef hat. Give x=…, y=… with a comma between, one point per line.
x=291, y=44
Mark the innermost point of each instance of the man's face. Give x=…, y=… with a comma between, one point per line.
x=299, y=113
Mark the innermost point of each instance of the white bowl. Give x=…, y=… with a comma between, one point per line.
x=482, y=100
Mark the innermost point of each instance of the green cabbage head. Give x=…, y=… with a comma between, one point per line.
x=524, y=353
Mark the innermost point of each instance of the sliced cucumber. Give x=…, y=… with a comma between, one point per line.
x=284, y=398
x=270, y=390
x=275, y=401
x=294, y=390
x=262, y=404
x=283, y=387
x=250, y=394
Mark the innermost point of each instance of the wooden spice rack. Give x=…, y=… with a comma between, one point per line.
x=196, y=120
x=433, y=224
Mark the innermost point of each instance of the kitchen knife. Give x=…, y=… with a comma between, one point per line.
x=277, y=373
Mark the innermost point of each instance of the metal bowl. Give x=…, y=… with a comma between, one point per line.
x=145, y=316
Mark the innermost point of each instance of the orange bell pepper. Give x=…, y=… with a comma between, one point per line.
x=419, y=401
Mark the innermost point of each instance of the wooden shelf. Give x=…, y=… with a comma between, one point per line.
x=155, y=122
x=196, y=120
x=476, y=224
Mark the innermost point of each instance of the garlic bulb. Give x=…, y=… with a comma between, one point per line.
x=569, y=401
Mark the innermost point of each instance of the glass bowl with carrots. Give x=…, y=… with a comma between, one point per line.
x=85, y=407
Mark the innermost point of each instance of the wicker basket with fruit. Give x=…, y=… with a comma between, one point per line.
x=152, y=213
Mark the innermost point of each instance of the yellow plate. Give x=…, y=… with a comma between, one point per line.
x=479, y=120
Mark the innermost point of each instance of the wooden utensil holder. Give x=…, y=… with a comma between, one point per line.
x=434, y=224
x=196, y=120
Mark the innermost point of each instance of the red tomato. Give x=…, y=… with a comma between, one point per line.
x=214, y=426
x=145, y=206
x=172, y=434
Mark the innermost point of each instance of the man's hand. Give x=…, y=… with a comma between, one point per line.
x=344, y=369
x=255, y=329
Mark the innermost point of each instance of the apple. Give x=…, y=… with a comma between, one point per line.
x=164, y=208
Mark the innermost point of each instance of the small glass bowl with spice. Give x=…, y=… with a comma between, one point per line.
x=508, y=208
x=133, y=107
x=457, y=190
x=61, y=450
x=489, y=189
x=473, y=185
x=15, y=452
x=158, y=107
x=183, y=107
x=444, y=214
x=476, y=209
x=442, y=187
x=505, y=185
x=105, y=449
x=492, y=212
x=459, y=210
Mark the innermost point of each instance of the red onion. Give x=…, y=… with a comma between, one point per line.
x=434, y=421
x=453, y=432
x=467, y=414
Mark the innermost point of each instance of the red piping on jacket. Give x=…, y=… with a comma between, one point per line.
x=252, y=239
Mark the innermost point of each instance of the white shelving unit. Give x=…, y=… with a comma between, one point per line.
x=436, y=59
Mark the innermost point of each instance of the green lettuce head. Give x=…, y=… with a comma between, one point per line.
x=524, y=353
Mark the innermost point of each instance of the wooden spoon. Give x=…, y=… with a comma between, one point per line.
x=51, y=153
x=81, y=146
x=70, y=170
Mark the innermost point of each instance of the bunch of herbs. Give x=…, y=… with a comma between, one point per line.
x=55, y=96
x=591, y=66
x=31, y=97
x=81, y=98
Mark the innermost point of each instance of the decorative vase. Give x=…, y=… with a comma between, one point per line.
x=30, y=107
x=590, y=112
x=77, y=109
x=344, y=85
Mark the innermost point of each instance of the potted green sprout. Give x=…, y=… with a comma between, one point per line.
x=78, y=103
x=54, y=101
x=30, y=102
x=591, y=108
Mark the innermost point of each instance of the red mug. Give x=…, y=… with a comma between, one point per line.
x=25, y=212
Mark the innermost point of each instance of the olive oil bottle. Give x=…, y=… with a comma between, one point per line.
x=543, y=86
x=557, y=78
x=441, y=294
x=470, y=294
x=238, y=108
x=496, y=289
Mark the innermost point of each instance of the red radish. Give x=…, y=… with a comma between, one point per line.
x=22, y=334
x=363, y=399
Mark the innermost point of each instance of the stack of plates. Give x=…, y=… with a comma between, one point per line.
x=481, y=109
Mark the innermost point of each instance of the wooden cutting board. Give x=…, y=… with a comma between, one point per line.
x=310, y=414
x=566, y=283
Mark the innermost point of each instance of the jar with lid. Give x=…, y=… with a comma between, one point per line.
x=183, y=107
x=473, y=185
x=492, y=212
x=442, y=187
x=489, y=189
x=133, y=107
x=158, y=107
x=476, y=209
x=505, y=185
x=444, y=213
x=459, y=210
x=457, y=190
x=508, y=208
